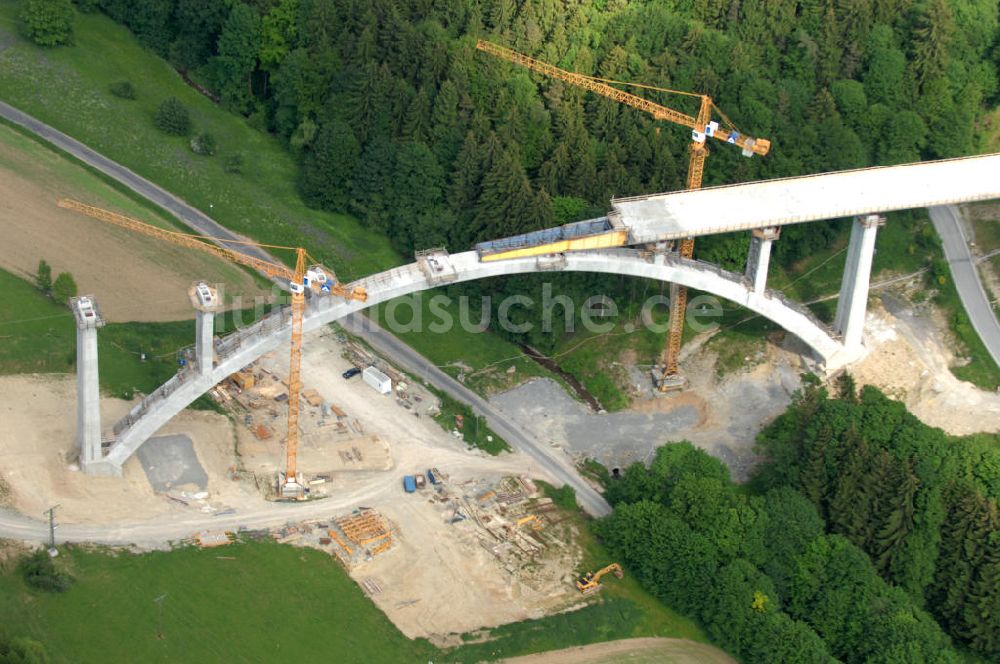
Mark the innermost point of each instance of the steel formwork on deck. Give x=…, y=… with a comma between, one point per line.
x=597, y=233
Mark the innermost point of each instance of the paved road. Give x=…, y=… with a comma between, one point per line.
x=17, y=526
x=948, y=223
x=191, y=216
x=554, y=462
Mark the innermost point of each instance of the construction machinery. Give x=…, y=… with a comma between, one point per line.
x=533, y=519
x=318, y=279
x=702, y=127
x=591, y=581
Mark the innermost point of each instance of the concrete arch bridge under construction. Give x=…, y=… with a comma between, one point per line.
x=635, y=239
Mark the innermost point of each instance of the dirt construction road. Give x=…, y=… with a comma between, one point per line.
x=636, y=651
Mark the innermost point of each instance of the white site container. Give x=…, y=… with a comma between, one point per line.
x=378, y=380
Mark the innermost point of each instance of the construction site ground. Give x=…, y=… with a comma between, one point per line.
x=134, y=279
x=634, y=651
x=436, y=579
x=908, y=358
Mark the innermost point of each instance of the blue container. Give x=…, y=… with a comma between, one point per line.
x=409, y=484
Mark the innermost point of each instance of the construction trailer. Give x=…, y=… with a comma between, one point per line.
x=409, y=484
x=377, y=380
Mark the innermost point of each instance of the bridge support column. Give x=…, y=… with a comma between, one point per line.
x=203, y=346
x=205, y=299
x=88, y=389
x=852, y=304
x=760, y=256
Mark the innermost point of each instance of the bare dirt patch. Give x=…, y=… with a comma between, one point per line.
x=37, y=449
x=134, y=278
x=722, y=417
x=638, y=651
x=909, y=359
x=437, y=580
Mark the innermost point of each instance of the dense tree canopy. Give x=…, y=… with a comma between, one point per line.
x=833, y=85
x=921, y=506
x=759, y=571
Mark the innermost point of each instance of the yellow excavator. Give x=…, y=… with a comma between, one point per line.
x=591, y=581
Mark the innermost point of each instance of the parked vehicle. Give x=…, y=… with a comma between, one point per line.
x=351, y=373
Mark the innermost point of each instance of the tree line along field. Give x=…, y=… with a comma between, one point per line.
x=69, y=88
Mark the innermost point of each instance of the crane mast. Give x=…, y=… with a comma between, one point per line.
x=325, y=281
x=702, y=127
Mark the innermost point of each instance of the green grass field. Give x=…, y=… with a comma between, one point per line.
x=67, y=87
x=35, y=160
x=270, y=602
x=38, y=335
x=475, y=432
x=255, y=602
x=980, y=369
x=989, y=135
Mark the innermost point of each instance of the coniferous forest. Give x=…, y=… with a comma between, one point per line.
x=395, y=117
x=866, y=536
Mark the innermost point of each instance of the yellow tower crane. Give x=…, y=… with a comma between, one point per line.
x=316, y=277
x=702, y=127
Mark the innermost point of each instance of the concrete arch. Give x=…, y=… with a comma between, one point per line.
x=244, y=346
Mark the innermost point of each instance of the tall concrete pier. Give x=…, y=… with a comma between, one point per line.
x=852, y=305
x=88, y=390
x=759, y=257
x=205, y=300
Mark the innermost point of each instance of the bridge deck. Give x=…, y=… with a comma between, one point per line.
x=810, y=198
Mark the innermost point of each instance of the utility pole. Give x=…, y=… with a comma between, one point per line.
x=159, y=614
x=52, y=527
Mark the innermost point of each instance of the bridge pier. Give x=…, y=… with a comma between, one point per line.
x=205, y=300
x=203, y=347
x=759, y=258
x=88, y=389
x=852, y=304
